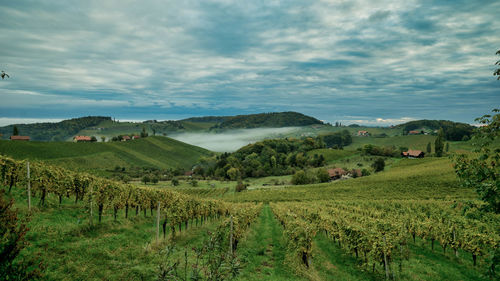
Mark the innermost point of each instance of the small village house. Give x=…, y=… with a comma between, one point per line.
x=126, y=138
x=363, y=133
x=414, y=132
x=413, y=154
x=336, y=173
x=82, y=139
x=20, y=138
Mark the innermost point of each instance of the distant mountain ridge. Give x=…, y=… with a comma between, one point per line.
x=104, y=126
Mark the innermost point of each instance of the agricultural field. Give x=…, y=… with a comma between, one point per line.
x=408, y=222
x=103, y=158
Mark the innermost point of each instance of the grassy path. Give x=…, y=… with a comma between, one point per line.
x=263, y=251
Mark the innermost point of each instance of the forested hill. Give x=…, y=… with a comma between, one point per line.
x=268, y=120
x=59, y=131
x=453, y=131
x=99, y=126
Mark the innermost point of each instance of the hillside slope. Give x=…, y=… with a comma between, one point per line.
x=268, y=120
x=158, y=152
x=58, y=131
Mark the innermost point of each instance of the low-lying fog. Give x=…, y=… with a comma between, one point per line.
x=232, y=140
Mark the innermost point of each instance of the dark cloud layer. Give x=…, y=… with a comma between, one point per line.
x=373, y=62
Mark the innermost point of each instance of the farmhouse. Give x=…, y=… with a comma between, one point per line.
x=356, y=173
x=82, y=139
x=413, y=154
x=136, y=137
x=336, y=173
x=126, y=138
x=363, y=133
x=20, y=138
x=414, y=132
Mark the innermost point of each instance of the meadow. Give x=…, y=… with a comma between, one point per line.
x=101, y=158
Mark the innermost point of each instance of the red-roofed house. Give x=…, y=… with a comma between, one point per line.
x=414, y=132
x=82, y=139
x=336, y=173
x=126, y=138
x=356, y=173
x=413, y=154
x=363, y=133
x=20, y=138
x=136, y=137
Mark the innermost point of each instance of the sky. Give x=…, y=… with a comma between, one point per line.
x=366, y=62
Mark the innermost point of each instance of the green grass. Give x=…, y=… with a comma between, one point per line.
x=263, y=251
x=411, y=141
x=159, y=152
x=112, y=250
x=427, y=178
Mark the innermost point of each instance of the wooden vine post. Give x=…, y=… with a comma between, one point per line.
x=158, y=222
x=90, y=198
x=29, y=186
x=231, y=236
x=385, y=260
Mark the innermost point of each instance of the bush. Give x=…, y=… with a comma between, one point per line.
x=322, y=175
x=175, y=182
x=154, y=179
x=365, y=172
x=241, y=186
x=194, y=183
x=300, y=177
x=378, y=165
x=145, y=179
x=13, y=242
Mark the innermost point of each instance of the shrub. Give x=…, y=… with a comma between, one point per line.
x=378, y=165
x=175, y=182
x=241, y=186
x=300, y=177
x=322, y=175
x=13, y=242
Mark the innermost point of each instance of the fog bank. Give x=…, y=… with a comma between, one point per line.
x=232, y=140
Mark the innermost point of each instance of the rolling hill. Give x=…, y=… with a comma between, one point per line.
x=98, y=158
x=99, y=126
x=268, y=120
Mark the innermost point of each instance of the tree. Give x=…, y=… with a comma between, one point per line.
x=175, y=182
x=481, y=172
x=93, y=139
x=145, y=179
x=429, y=148
x=497, y=71
x=154, y=179
x=447, y=147
x=12, y=242
x=234, y=174
x=378, y=165
x=103, y=138
x=322, y=175
x=300, y=177
x=15, y=131
x=144, y=133
x=439, y=143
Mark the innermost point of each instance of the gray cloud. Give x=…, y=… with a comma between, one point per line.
x=331, y=59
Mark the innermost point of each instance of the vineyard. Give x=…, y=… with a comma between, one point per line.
x=290, y=233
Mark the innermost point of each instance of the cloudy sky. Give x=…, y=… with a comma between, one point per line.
x=372, y=62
